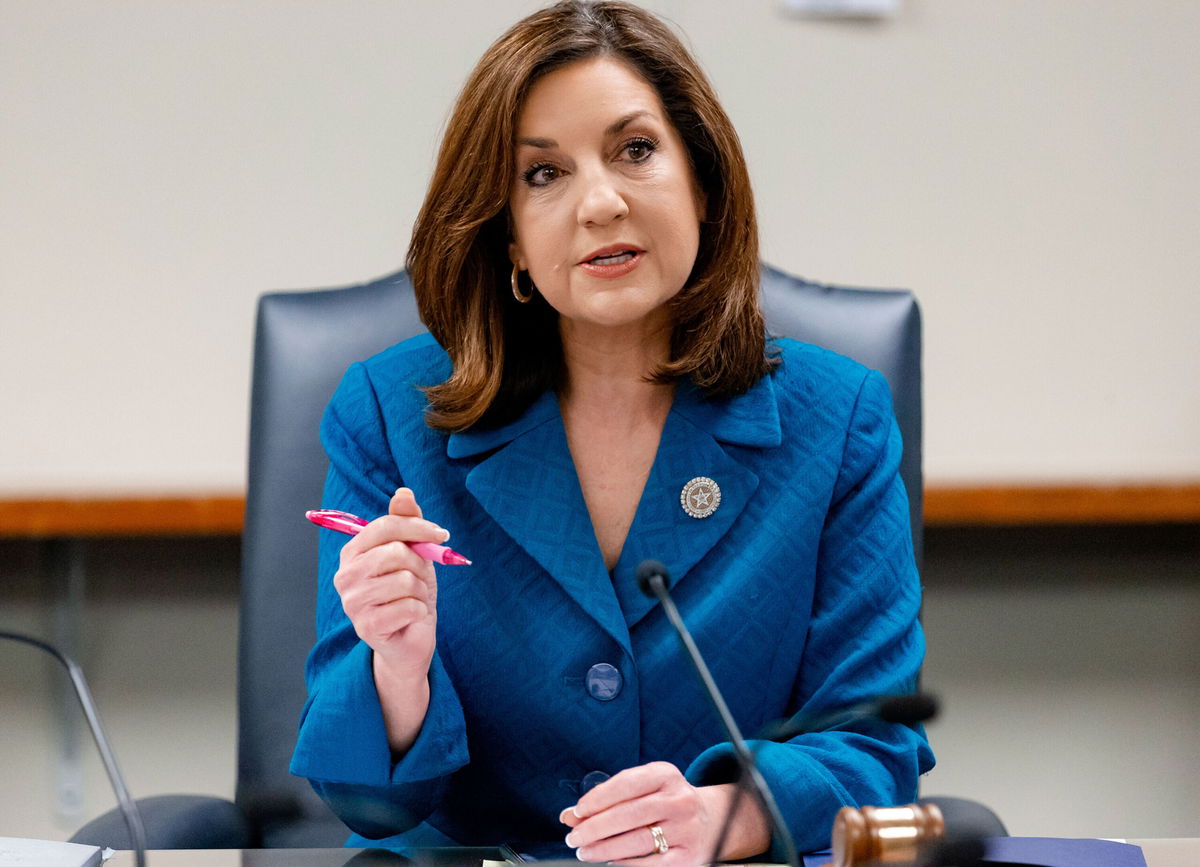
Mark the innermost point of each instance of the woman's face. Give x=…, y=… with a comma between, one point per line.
x=605, y=207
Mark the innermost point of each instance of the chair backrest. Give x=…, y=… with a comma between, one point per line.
x=304, y=341
x=880, y=328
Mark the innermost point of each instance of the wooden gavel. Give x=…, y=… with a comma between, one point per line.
x=884, y=835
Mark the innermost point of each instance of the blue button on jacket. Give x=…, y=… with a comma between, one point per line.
x=800, y=590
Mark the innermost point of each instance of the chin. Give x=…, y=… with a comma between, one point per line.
x=626, y=306
x=626, y=315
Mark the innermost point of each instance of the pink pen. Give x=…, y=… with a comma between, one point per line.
x=349, y=524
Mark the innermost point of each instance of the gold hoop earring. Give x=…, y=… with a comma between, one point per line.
x=516, y=287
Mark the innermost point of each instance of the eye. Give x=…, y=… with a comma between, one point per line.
x=540, y=174
x=640, y=149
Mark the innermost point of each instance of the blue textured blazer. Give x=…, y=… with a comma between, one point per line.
x=551, y=674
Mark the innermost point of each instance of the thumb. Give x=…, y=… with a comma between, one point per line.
x=404, y=503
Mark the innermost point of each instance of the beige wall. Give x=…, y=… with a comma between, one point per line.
x=1028, y=167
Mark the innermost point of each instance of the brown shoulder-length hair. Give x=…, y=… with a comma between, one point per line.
x=504, y=353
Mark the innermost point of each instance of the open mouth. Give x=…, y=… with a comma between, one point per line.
x=613, y=258
x=613, y=261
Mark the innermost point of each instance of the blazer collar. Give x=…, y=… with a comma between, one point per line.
x=477, y=441
x=527, y=484
x=749, y=419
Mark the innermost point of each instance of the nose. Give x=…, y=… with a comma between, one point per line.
x=601, y=202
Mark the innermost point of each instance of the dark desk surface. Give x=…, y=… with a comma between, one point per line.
x=1183, y=852
x=464, y=857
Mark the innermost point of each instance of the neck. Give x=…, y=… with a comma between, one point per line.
x=607, y=372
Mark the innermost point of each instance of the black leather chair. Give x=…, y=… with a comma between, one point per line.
x=304, y=341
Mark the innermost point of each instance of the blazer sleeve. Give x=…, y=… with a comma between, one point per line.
x=342, y=745
x=864, y=640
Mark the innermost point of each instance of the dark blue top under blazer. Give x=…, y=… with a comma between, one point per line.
x=551, y=674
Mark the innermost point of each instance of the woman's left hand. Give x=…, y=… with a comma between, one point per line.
x=613, y=821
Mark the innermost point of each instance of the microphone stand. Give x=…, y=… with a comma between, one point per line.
x=653, y=582
x=133, y=819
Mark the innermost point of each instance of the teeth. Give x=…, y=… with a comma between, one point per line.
x=615, y=259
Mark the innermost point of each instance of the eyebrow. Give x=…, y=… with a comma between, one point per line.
x=612, y=129
x=620, y=124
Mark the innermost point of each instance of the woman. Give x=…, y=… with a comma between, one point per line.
x=601, y=392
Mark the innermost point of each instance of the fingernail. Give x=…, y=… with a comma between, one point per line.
x=571, y=840
x=445, y=535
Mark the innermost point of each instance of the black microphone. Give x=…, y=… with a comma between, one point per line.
x=133, y=819
x=652, y=578
x=907, y=709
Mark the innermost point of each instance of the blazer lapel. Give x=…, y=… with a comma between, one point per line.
x=693, y=445
x=529, y=486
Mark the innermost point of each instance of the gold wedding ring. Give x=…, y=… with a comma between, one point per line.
x=660, y=840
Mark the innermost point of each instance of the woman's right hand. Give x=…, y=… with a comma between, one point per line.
x=390, y=593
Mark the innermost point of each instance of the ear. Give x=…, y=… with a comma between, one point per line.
x=514, y=255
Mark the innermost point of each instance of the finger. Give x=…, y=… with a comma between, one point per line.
x=655, y=794
x=679, y=853
x=404, y=502
x=368, y=601
x=628, y=784
x=633, y=844
x=383, y=621
x=361, y=591
x=394, y=528
x=413, y=529
x=621, y=819
x=391, y=557
x=382, y=562
x=568, y=817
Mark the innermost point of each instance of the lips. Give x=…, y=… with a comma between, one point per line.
x=611, y=254
x=615, y=260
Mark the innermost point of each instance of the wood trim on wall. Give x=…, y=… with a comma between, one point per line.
x=1012, y=505
x=128, y=516
x=1062, y=504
